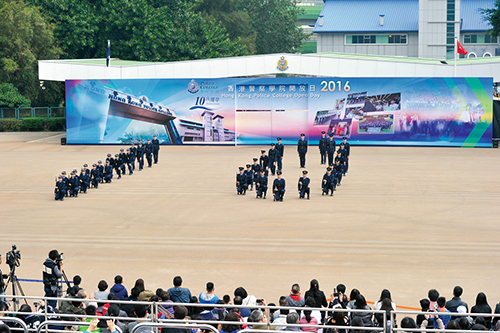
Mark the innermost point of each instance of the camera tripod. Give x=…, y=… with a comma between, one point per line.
x=61, y=284
x=16, y=287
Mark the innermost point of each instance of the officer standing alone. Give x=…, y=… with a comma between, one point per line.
x=302, y=150
x=281, y=152
x=156, y=148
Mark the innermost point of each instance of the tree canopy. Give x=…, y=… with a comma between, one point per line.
x=492, y=15
x=11, y=98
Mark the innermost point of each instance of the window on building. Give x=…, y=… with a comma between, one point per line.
x=480, y=39
x=375, y=39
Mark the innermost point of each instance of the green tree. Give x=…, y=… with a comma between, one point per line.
x=25, y=37
x=10, y=97
x=492, y=15
x=142, y=30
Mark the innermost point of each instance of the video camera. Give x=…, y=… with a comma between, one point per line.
x=13, y=257
x=59, y=259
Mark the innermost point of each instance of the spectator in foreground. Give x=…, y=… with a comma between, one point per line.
x=482, y=306
x=209, y=296
x=101, y=293
x=442, y=309
x=294, y=299
x=178, y=294
x=281, y=315
x=140, y=312
x=244, y=312
x=352, y=298
x=383, y=295
x=292, y=318
x=455, y=302
x=433, y=295
x=366, y=317
x=128, y=306
x=231, y=328
x=119, y=289
x=145, y=294
x=180, y=313
x=308, y=318
x=258, y=320
x=318, y=296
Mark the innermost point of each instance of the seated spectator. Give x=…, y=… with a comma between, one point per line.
x=318, y=296
x=226, y=299
x=178, y=294
x=433, y=295
x=89, y=311
x=158, y=292
x=294, y=299
x=408, y=324
x=280, y=315
x=442, y=309
x=119, y=289
x=93, y=326
x=478, y=327
x=463, y=323
x=482, y=306
x=337, y=318
x=246, y=299
x=366, y=317
x=76, y=306
x=129, y=307
x=230, y=328
x=385, y=294
x=140, y=311
x=165, y=308
x=221, y=313
x=114, y=311
x=180, y=313
x=258, y=320
x=424, y=307
x=244, y=312
x=194, y=310
x=111, y=297
x=357, y=322
x=4, y=328
x=496, y=319
x=455, y=302
x=310, y=317
x=338, y=297
x=452, y=325
x=352, y=298
x=33, y=319
x=77, y=280
x=145, y=294
x=209, y=296
x=101, y=293
x=292, y=318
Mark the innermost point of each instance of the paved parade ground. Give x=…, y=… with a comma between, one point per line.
x=405, y=219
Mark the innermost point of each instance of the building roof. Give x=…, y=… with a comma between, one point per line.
x=364, y=16
x=470, y=13
x=399, y=15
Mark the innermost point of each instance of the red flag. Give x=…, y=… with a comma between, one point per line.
x=460, y=48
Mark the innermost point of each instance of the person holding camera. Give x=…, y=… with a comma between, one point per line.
x=52, y=272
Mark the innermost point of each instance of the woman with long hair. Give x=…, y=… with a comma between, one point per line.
x=482, y=306
x=318, y=296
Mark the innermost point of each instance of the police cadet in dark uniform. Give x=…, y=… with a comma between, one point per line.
x=77, y=178
x=249, y=175
x=261, y=185
x=278, y=187
x=84, y=181
x=330, y=149
x=347, y=148
x=281, y=152
x=328, y=183
x=323, y=143
x=133, y=155
x=74, y=185
x=338, y=168
x=65, y=180
x=241, y=182
x=340, y=159
x=273, y=153
x=264, y=162
x=52, y=272
x=302, y=150
x=86, y=167
x=59, y=191
x=343, y=152
x=118, y=166
x=140, y=155
x=94, y=175
x=129, y=157
x=108, y=172
x=156, y=148
x=100, y=168
x=148, y=149
x=304, y=185
x=255, y=170
x=124, y=160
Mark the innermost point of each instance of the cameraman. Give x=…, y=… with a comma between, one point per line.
x=2, y=282
x=52, y=272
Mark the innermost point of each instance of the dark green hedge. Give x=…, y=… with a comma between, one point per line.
x=33, y=124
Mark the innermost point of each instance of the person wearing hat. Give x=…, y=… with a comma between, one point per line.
x=86, y=167
x=74, y=185
x=140, y=155
x=339, y=158
x=108, y=172
x=133, y=155
x=279, y=187
x=323, y=142
x=281, y=152
x=264, y=162
x=255, y=170
x=347, y=148
x=148, y=150
x=304, y=185
x=261, y=185
x=249, y=175
x=84, y=181
x=65, y=180
x=77, y=178
x=337, y=170
x=273, y=153
x=156, y=148
x=100, y=168
x=330, y=148
x=94, y=175
x=302, y=150
x=118, y=166
x=124, y=159
x=343, y=152
x=129, y=162
x=328, y=182
x=59, y=191
x=241, y=182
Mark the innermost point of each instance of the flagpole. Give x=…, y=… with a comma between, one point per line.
x=455, y=56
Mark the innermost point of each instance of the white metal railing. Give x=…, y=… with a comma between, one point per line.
x=65, y=323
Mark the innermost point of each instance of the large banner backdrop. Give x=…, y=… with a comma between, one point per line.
x=368, y=111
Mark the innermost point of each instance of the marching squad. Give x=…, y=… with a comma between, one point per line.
x=270, y=164
x=103, y=173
